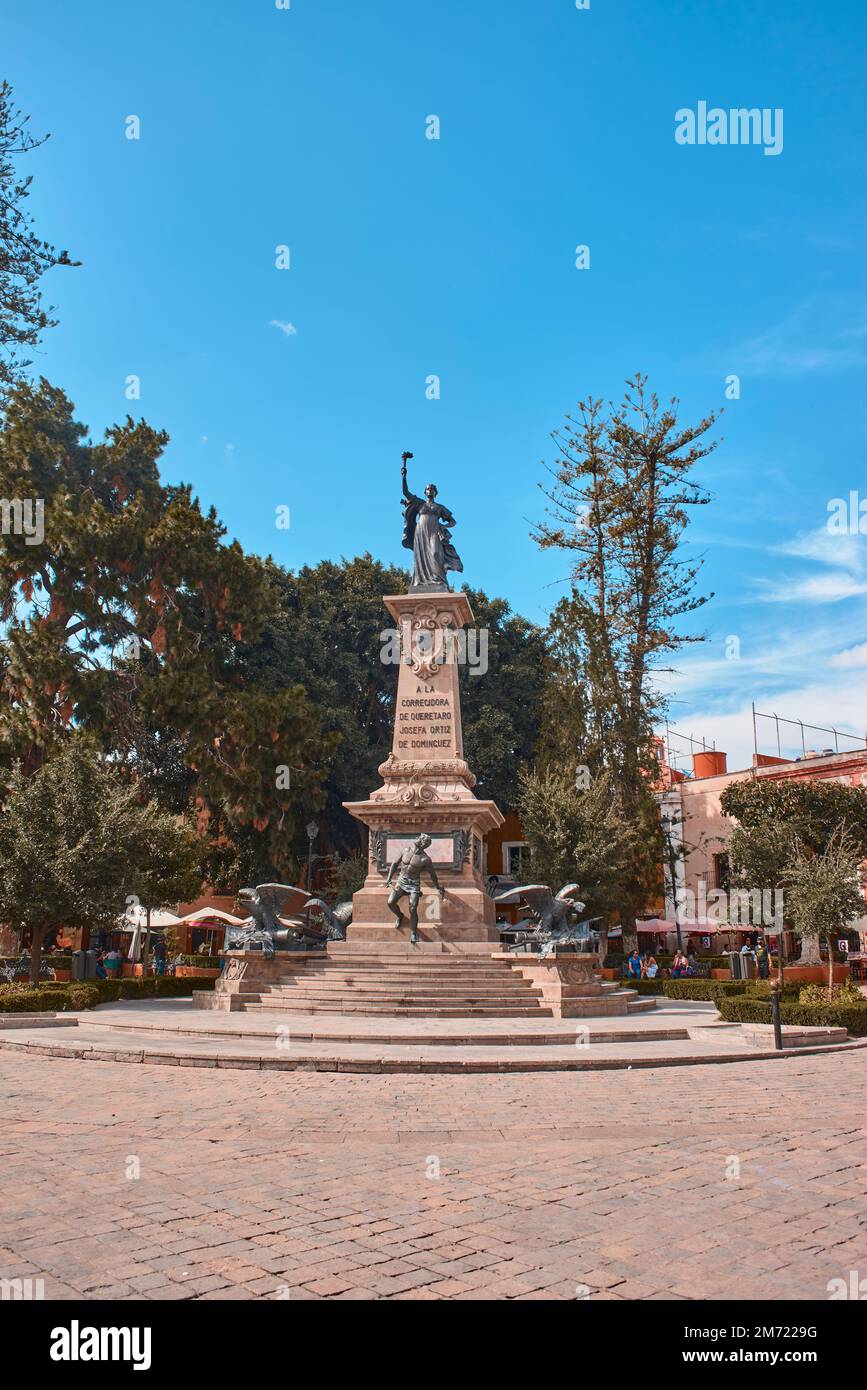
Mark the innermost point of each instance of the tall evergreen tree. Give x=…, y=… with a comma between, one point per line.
x=619, y=506
x=24, y=257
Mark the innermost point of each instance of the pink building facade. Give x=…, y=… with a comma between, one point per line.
x=692, y=818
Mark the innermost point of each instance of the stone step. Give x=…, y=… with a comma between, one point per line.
x=508, y=984
x=522, y=991
x=436, y=965
x=446, y=977
x=289, y=1006
x=440, y=964
x=399, y=1005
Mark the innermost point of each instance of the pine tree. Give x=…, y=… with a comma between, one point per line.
x=24, y=257
x=620, y=503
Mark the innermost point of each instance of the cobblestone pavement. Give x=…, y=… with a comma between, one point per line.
x=746, y=1181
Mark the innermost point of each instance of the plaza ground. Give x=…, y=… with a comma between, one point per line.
x=742, y=1181
x=667, y=1032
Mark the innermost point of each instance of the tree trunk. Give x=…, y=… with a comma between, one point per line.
x=37, y=936
x=830, y=971
x=143, y=955
x=629, y=934
x=810, y=953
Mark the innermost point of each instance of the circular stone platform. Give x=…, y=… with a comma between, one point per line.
x=173, y=1033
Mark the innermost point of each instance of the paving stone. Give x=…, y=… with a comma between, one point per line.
x=613, y=1180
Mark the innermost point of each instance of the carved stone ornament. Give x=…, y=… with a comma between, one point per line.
x=426, y=659
x=429, y=770
x=234, y=969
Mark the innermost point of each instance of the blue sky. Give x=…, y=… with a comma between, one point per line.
x=411, y=257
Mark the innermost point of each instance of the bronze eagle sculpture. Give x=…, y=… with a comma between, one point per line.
x=554, y=919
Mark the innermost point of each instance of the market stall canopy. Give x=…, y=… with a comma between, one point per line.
x=135, y=918
x=699, y=926
x=212, y=914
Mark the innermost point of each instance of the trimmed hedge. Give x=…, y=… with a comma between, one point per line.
x=24, y=999
x=709, y=991
x=55, y=997
x=852, y=1017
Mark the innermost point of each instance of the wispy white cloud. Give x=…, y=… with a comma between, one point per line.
x=827, y=548
x=821, y=333
x=844, y=576
x=287, y=329
x=819, y=588
x=851, y=658
x=831, y=702
x=813, y=671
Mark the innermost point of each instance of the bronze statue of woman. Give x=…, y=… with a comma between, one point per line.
x=425, y=533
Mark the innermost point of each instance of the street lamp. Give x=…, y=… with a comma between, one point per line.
x=312, y=832
x=669, y=822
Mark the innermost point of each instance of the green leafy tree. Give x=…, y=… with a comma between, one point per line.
x=570, y=732
x=344, y=877
x=74, y=843
x=619, y=506
x=24, y=257
x=784, y=826
x=577, y=835
x=165, y=862
x=127, y=619
x=824, y=894
x=500, y=706
x=813, y=812
x=326, y=633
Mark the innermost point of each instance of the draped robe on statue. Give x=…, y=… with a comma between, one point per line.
x=425, y=534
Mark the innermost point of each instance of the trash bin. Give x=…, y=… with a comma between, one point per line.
x=89, y=965
x=76, y=969
x=736, y=966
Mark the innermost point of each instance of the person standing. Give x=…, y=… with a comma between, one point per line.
x=159, y=956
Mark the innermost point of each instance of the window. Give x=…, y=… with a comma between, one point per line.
x=515, y=855
x=721, y=872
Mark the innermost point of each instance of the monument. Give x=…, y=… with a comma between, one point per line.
x=424, y=896
x=427, y=785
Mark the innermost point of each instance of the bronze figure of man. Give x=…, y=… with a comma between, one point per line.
x=410, y=865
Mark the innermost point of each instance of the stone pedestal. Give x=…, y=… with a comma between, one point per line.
x=427, y=785
x=570, y=985
x=245, y=974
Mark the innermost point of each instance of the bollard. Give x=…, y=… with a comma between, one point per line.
x=775, y=1015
